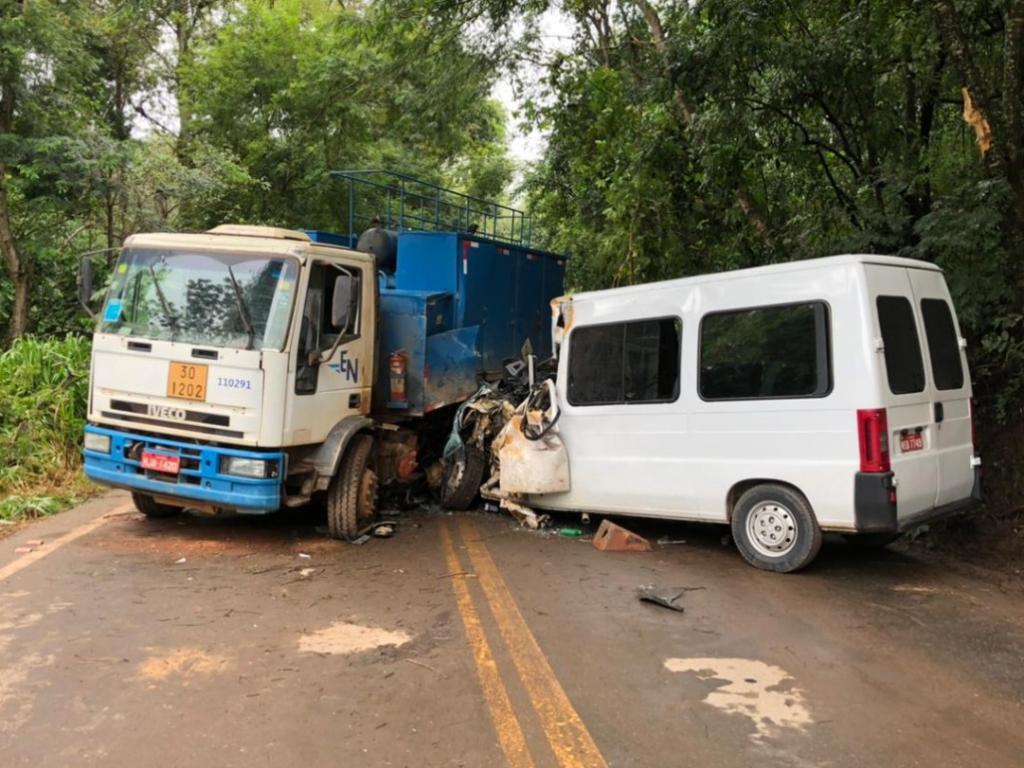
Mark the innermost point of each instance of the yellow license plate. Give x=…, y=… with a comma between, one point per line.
x=187, y=381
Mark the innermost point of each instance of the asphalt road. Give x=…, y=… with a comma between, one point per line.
x=466, y=641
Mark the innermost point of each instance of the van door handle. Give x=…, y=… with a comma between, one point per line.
x=940, y=413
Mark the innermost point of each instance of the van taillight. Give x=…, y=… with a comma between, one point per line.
x=873, y=430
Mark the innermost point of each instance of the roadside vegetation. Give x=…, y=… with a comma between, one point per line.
x=682, y=137
x=43, y=388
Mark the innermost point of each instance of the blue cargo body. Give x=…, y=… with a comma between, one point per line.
x=458, y=307
x=199, y=480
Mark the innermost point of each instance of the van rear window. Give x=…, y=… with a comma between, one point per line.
x=943, y=344
x=635, y=362
x=766, y=352
x=903, y=365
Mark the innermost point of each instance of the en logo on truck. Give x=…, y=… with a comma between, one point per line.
x=346, y=367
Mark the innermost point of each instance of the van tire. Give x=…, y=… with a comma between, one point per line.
x=463, y=475
x=768, y=511
x=871, y=540
x=150, y=507
x=352, y=494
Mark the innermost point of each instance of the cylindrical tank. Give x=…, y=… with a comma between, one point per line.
x=383, y=244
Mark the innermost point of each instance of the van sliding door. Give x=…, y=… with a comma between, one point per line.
x=950, y=386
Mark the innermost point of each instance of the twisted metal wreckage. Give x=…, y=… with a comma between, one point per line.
x=505, y=431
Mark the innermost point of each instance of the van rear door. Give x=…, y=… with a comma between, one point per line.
x=906, y=393
x=950, y=386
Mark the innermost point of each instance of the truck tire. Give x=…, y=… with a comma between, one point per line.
x=352, y=494
x=463, y=474
x=149, y=506
x=871, y=540
x=774, y=528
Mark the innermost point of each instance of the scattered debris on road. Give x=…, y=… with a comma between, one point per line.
x=648, y=595
x=614, y=538
x=425, y=666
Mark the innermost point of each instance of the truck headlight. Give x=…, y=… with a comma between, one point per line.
x=243, y=467
x=97, y=442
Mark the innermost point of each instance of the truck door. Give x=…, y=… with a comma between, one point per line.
x=906, y=392
x=338, y=380
x=950, y=387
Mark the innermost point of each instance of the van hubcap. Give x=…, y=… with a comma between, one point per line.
x=771, y=529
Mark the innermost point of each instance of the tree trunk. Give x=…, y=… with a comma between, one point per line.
x=17, y=270
x=14, y=264
x=1013, y=105
x=744, y=199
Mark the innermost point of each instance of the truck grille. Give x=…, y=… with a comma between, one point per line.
x=195, y=421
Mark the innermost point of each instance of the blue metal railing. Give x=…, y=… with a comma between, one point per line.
x=399, y=201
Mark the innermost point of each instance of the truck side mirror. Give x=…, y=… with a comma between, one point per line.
x=85, y=282
x=343, y=304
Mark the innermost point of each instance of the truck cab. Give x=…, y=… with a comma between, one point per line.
x=216, y=355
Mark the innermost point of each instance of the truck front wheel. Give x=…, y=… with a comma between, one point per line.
x=463, y=474
x=352, y=495
x=149, y=506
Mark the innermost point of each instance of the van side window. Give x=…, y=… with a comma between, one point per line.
x=903, y=365
x=766, y=352
x=943, y=344
x=635, y=362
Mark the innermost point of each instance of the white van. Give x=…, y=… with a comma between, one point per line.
x=823, y=395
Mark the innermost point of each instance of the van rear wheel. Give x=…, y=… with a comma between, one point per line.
x=774, y=528
x=352, y=494
x=150, y=507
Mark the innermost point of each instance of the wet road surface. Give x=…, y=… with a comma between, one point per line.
x=466, y=641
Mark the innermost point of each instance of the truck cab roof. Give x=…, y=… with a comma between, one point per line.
x=247, y=239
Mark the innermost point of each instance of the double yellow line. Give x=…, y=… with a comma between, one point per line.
x=568, y=736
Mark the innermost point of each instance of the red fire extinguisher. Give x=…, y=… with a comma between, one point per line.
x=396, y=366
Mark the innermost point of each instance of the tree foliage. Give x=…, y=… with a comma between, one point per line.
x=183, y=114
x=843, y=124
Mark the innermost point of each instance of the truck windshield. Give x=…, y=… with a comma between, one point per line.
x=217, y=299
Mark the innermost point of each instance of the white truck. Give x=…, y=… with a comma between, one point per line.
x=247, y=369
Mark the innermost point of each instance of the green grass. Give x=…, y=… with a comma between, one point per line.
x=15, y=508
x=44, y=387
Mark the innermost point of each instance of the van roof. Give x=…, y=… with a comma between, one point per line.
x=788, y=266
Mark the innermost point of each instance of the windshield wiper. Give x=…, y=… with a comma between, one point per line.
x=171, y=317
x=243, y=309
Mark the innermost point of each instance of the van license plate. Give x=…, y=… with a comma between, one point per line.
x=161, y=462
x=187, y=381
x=910, y=443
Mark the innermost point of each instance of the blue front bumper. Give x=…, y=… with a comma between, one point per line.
x=199, y=479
